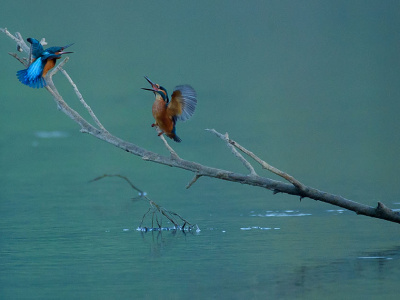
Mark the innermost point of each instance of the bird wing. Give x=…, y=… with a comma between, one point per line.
x=36, y=48
x=32, y=76
x=183, y=103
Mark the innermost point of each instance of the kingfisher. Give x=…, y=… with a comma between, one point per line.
x=166, y=113
x=41, y=61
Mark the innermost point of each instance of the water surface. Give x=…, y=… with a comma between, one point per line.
x=312, y=88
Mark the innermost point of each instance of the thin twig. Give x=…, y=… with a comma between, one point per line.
x=268, y=167
x=265, y=165
x=43, y=42
x=155, y=208
x=58, y=67
x=234, y=151
x=76, y=90
x=80, y=97
x=171, y=151
x=141, y=193
x=144, y=216
x=197, y=176
x=23, y=61
x=240, y=157
x=17, y=38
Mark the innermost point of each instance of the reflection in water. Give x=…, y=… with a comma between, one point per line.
x=162, y=242
x=259, y=228
x=292, y=213
x=51, y=134
x=345, y=274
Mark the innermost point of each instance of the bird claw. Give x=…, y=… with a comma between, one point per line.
x=160, y=131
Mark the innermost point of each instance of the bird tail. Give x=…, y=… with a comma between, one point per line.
x=37, y=82
x=176, y=138
x=173, y=135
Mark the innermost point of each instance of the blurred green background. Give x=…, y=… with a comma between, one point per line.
x=312, y=87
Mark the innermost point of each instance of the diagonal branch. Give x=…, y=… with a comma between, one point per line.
x=23, y=61
x=80, y=97
x=265, y=165
x=234, y=151
x=78, y=94
x=16, y=38
x=294, y=188
x=171, y=151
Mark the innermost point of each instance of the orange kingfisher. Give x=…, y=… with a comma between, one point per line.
x=41, y=61
x=166, y=113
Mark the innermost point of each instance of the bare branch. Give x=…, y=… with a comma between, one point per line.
x=17, y=38
x=141, y=193
x=23, y=61
x=294, y=188
x=80, y=97
x=172, y=151
x=265, y=165
x=234, y=151
x=43, y=42
x=58, y=67
x=78, y=94
x=156, y=211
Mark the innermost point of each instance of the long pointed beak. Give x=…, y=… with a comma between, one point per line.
x=69, y=45
x=64, y=52
x=154, y=87
x=146, y=89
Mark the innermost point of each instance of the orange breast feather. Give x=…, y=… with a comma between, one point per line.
x=50, y=63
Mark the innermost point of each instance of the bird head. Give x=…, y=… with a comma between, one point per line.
x=157, y=89
x=58, y=50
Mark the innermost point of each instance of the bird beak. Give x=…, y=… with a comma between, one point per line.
x=68, y=46
x=154, y=86
x=62, y=52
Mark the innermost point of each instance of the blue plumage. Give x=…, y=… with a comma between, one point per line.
x=42, y=62
x=36, y=47
x=32, y=76
x=187, y=97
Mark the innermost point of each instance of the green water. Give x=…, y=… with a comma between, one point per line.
x=311, y=87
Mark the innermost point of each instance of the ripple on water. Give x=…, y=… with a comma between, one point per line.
x=375, y=257
x=259, y=228
x=286, y=213
x=51, y=134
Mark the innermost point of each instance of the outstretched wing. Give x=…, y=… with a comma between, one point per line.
x=36, y=48
x=183, y=103
x=32, y=76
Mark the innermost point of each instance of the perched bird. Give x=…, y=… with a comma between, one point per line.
x=166, y=112
x=41, y=61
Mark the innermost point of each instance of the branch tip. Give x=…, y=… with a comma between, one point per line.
x=197, y=176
